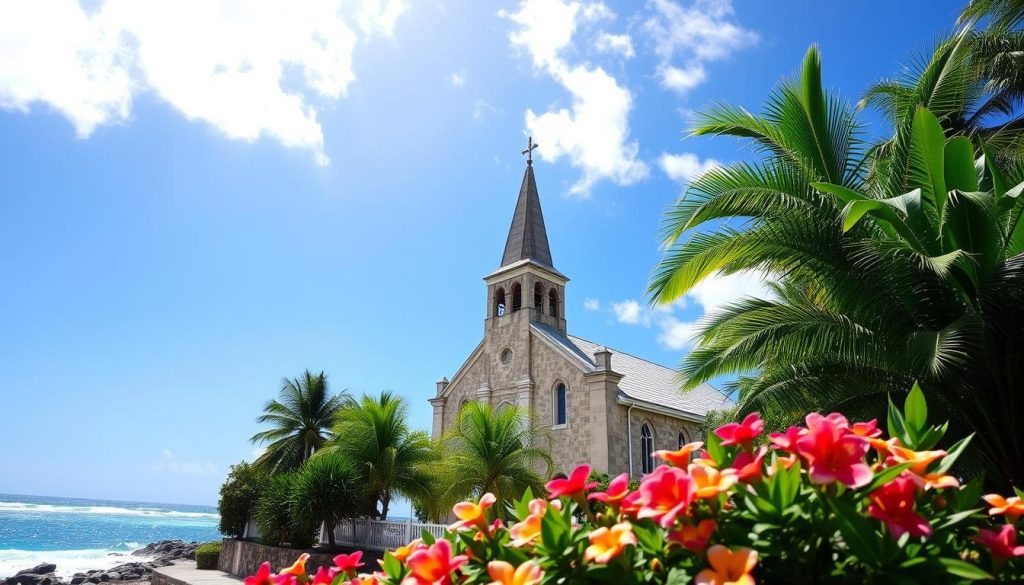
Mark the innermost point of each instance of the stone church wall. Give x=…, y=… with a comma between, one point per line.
x=666, y=436
x=570, y=445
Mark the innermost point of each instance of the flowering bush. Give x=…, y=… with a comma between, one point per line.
x=831, y=501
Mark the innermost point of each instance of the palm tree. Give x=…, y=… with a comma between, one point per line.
x=328, y=489
x=860, y=309
x=375, y=435
x=487, y=450
x=301, y=418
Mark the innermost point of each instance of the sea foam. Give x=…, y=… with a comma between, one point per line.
x=69, y=562
x=28, y=508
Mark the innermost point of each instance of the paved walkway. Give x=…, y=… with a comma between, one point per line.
x=186, y=573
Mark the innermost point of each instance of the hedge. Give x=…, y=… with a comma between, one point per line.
x=207, y=555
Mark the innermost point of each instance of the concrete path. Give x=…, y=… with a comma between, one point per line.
x=186, y=573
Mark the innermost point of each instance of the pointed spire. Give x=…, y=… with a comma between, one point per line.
x=527, y=238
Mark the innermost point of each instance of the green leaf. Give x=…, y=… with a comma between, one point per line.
x=896, y=424
x=915, y=410
x=428, y=538
x=715, y=449
x=677, y=576
x=956, y=518
x=969, y=495
x=928, y=144
x=953, y=454
x=392, y=566
x=553, y=530
x=964, y=569
x=960, y=172
x=998, y=180
x=522, y=507
x=649, y=538
x=885, y=476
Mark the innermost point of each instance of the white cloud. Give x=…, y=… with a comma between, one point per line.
x=483, y=109
x=219, y=61
x=169, y=463
x=694, y=34
x=457, y=79
x=686, y=166
x=594, y=132
x=610, y=43
x=711, y=294
x=592, y=304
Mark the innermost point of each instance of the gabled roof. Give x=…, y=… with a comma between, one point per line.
x=527, y=238
x=642, y=380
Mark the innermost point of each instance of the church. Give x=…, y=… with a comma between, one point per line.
x=602, y=406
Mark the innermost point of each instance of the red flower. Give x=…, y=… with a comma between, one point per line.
x=324, y=576
x=832, y=452
x=349, y=562
x=742, y=433
x=262, y=576
x=748, y=465
x=787, y=441
x=1002, y=542
x=694, y=538
x=618, y=489
x=433, y=564
x=664, y=494
x=893, y=503
x=573, y=485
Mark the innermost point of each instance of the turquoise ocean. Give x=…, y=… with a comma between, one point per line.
x=79, y=534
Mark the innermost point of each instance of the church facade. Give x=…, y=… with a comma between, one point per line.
x=602, y=406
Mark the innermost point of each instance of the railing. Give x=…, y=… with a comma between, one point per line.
x=379, y=534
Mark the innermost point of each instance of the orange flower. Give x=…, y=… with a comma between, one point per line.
x=401, y=553
x=680, y=458
x=433, y=564
x=1012, y=507
x=694, y=538
x=528, y=573
x=919, y=462
x=608, y=543
x=528, y=530
x=710, y=482
x=728, y=567
x=472, y=515
x=298, y=568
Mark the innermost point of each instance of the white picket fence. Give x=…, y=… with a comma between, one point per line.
x=379, y=534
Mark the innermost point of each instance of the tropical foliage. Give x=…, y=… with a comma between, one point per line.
x=888, y=263
x=394, y=460
x=274, y=516
x=300, y=419
x=238, y=497
x=328, y=489
x=828, y=502
x=487, y=450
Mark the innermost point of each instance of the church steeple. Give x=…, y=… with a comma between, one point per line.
x=527, y=238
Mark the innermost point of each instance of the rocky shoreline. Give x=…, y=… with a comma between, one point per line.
x=159, y=554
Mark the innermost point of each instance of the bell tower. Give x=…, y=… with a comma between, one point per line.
x=526, y=287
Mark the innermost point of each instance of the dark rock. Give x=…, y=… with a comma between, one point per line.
x=78, y=578
x=40, y=569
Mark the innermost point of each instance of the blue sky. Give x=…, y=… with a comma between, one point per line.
x=199, y=198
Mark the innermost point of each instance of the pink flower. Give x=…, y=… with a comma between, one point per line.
x=749, y=465
x=787, y=441
x=349, y=562
x=664, y=494
x=1001, y=542
x=324, y=576
x=893, y=503
x=262, y=576
x=694, y=538
x=832, y=452
x=434, y=564
x=574, y=485
x=618, y=489
x=742, y=433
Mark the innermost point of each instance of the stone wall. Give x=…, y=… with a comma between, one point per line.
x=666, y=436
x=242, y=558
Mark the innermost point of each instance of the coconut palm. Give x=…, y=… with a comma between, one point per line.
x=497, y=451
x=374, y=433
x=300, y=419
x=877, y=281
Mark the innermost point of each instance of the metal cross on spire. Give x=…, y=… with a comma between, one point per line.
x=530, y=145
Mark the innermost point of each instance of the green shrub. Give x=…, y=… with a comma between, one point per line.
x=274, y=518
x=238, y=497
x=207, y=555
x=328, y=488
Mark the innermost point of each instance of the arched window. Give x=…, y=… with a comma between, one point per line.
x=683, y=439
x=505, y=404
x=646, y=448
x=553, y=303
x=499, y=302
x=538, y=297
x=560, y=404
x=517, y=297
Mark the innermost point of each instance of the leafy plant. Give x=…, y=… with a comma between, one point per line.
x=207, y=555
x=277, y=524
x=327, y=489
x=238, y=496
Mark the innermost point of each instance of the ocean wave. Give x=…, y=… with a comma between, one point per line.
x=25, y=507
x=69, y=562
